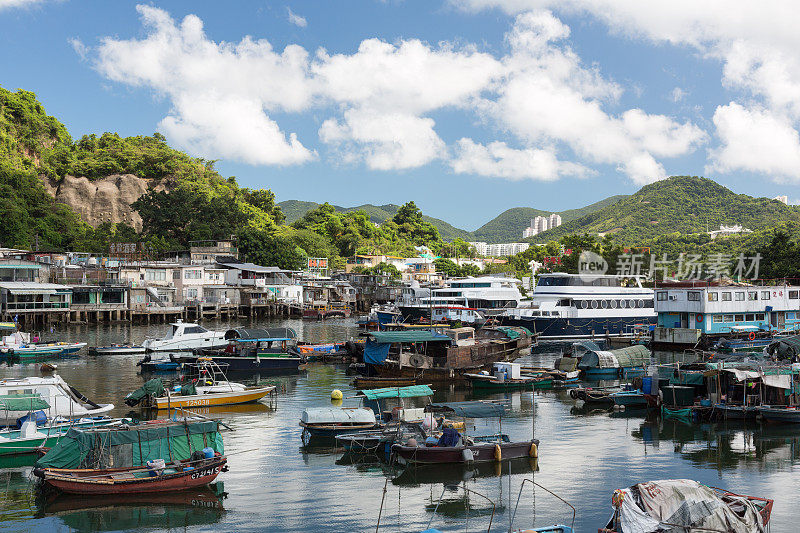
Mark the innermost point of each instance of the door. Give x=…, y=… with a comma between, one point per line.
x=781, y=319
x=684, y=320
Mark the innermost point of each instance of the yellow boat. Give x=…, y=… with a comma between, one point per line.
x=209, y=398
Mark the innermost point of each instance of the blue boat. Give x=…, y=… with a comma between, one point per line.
x=253, y=350
x=629, y=398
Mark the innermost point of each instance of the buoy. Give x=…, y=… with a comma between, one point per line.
x=336, y=394
x=534, y=450
x=498, y=453
x=467, y=455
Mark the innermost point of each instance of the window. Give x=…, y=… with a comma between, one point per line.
x=648, y=304
x=191, y=293
x=726, y=297
x=193, y=274
x=760, y=317
x=584, y=304
x=614, y=304
x=713, y=296
x=623, y=303
x=176, y=274
x=555, y=313
x=545, y=313
x=794, y=295
x=717, y=319
x=155, y=275
x=604, y=304
x=790, y=316
x=739, y=318
x=662, y=296
x=752, y=295
x=739, y=296
x=728, y=318
x=640, y=303
x=749, y=317
x=194, y=329
x=594, y=304
x=765, y=295
x=692, y=296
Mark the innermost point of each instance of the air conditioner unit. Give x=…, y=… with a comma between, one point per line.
x=673, y=297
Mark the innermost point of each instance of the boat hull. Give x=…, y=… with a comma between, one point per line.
x=482, y=453
x=559, y=328
x=262, y=363
x=215, y=399
x=63, y=481
x=783, y=416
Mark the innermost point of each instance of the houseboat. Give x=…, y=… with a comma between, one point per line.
x=488, y=295
x=568, y=306
x=698, y=314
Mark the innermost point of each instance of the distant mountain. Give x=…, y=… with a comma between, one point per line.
x=295, y=209
x=680, y=204
x=509, y=225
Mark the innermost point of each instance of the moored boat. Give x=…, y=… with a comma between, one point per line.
x=116, y=349
x=185, y=336
x=664, y=506
x=61, y=399
x=256, y=350
x=133, y=459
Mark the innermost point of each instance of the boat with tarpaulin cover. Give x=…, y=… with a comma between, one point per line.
x=625, y=362
x=455, y=448
x=685, y=505
x=62, y=399
x=438, y=355
x=156, y=456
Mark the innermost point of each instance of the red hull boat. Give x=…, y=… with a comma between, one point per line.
x=481, y=453
x=174, y=477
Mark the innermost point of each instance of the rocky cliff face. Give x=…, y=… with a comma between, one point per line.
x=103, y=200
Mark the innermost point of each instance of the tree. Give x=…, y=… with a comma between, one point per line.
x=263, y=248
x=447, y=267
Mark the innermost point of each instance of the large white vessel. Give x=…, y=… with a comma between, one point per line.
x=185, y=336
x=63, y=400
x=576, y=306
x=487, y=294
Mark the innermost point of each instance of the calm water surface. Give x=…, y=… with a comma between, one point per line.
x=273, y=484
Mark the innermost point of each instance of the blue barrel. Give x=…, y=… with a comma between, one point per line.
x=208, y=452
x=647, y=385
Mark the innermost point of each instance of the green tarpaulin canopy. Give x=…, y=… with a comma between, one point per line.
x=127, y=446
x=154, y=388
x=415, y=391
x=389, y=337
x=22, y=402
x=471, y=409
x=632, y=356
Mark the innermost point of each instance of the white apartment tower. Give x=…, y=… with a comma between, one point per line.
x=554, y=222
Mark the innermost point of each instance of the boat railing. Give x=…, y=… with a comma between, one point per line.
x=519, y=496
x=466, y=490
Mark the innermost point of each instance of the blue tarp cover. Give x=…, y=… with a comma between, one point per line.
x=471, y=409
x=375, y=353
x=414, y=391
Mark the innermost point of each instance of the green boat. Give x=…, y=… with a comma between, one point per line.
x=485, y=382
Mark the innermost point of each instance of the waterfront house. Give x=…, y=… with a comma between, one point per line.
x=19, y=299
x=721, y=309
x=210, y=252
x=196, y=283
x=151, y=283
x=12, y=269
x=260, y=285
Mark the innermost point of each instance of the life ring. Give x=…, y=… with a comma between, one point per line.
x=698, y=318
x=752, y=336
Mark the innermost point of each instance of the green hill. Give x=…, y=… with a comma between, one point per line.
x=509, y=225
x=680, y=204
x=295, y=209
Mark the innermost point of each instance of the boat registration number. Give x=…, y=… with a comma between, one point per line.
x=198, y=402
x=205, y=472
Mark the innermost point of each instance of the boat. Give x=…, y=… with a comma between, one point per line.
x=117, y=349
x=327, y=422
x=475, y=449
x=256, y=350
x=570, y=306
x=458, y=314
x=165, y=364
x=380, y=441
x=133, y=459
x=364, y=382
x=441, y=355
x=508, y=376
x=208, y=388
x=32, y=436
x=186, y=336
x=780, y=414
x=62, y=399
x=596, y=364
x=486, y=296
x=324, y=311
x=20, y=345
x=736, y=412
x=631, y=398
x=663, y=506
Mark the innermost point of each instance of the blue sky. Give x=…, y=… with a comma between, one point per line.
x=468, y=107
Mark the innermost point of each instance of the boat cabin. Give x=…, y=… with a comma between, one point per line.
x=461, y=336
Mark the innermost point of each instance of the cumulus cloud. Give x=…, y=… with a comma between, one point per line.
x=296, y=19
x=81, y=49
x=497, y=159
x=378, y=104
x=756, y=43
x=220, y=93
x=9, y=4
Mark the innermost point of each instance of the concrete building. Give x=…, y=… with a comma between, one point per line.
x=783, y=199
x=500, y=250
x=724, y=231
x=554, y=221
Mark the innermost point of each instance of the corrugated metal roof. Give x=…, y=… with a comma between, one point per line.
x=388, y=337
x=31, y=286
x=252, y=267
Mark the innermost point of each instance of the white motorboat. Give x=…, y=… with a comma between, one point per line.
x=18, y=343
x=185, y=336
x=62, y=399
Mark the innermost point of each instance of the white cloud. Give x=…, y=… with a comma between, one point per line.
x=10, y=4
x=384, y=141
x=296, y=19
x=756, y=42
x=377, y=103
x=498, y=160
x=81, y=49
x=755, y=140
x=221, y=93
x=548, y=96
x=677, y=94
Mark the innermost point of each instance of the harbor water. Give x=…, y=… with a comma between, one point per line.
x=274, y=484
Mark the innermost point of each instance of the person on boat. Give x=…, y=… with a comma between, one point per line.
x=450, y=437
x=230, y=348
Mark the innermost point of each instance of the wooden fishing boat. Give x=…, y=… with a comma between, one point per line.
x=130, y=459
x=30, y=437
x=630, y=398
x=654, y=506
x=475, y=449
x=327, y=422
x=175, y=476
x=737, y=412
x=363, y=382
x=784, y=415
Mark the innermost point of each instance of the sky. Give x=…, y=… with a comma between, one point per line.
x=467, y=107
